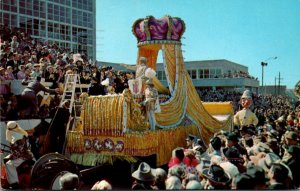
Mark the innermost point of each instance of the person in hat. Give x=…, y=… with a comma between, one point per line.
x=96, y=73
x=58, y=128
x=267, y=161
x=9, y=73
x=51, y=76
x=173, y=183
x=259, y=178
x=289, y=138
x=294, y=163
x=278, y=176
x=18, y=139
x=69, y=181
x=233, y=155
x=245, y=117
x=111, y=90
x=96, y=88
x=190, y=140
x=216, y=145
x=227, y=166
x=29, y=95
x=85, y=77
x=102, y=185
x=232, y=140
x=160, y=178
x=242, y=182
x=21, y=73
x=36, y=71
x=4, y=88
x=144, y=177
x=194, y=185
x=217, y=178
x=151, y=95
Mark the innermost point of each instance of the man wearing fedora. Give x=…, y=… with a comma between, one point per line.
x=217, y=178
x=144, y=177
x=17, y=137
x=245, y=117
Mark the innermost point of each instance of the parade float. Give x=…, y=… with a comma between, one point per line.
x=114, y=127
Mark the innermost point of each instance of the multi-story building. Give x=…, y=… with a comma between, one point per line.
x=68, y=23
x=209, y=74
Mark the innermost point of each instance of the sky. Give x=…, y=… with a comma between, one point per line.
x=243, y=31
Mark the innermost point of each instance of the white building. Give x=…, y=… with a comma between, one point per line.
x=216, y=74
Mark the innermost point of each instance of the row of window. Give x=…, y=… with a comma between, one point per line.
x=82, y=18
x=205, y=73
x=9, y=19
x=196, y=74
x=55, y=12
x=38, y=27
x=59, y=13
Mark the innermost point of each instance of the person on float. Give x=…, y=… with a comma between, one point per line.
x=18, y=139
x=137, y=85
x=151, y=95
x=245, y=117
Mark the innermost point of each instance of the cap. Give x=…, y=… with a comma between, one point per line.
x=292, y=135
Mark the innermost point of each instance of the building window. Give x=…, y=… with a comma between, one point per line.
x=206, y=73
x=218, y=73
x=193, y=74
x=212, y=73
x=200, y=73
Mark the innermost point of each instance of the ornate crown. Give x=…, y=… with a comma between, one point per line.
x=152, y=30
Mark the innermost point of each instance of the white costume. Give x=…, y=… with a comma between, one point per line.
x=20, y=150
x=136, y=85
x=151, y=95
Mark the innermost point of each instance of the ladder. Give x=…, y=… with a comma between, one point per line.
x=69, y=92
x=70, y=85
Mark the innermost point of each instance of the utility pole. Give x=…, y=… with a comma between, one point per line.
x=275, y=92
x=263, y=64
x=279, y=88
x=262, y=72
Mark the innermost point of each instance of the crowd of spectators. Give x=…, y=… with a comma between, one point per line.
x=24, y=58
x=266, y=156
x=238, y=74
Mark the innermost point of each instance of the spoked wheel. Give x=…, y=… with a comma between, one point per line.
x=49, y=168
